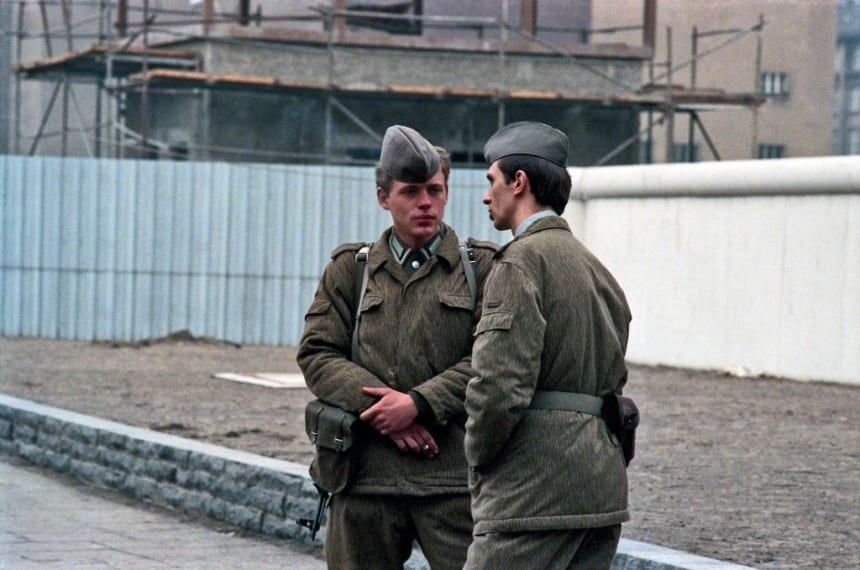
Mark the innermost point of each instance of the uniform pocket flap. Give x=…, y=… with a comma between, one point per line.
x=501, y=320
x=455, y=301
x=370, y=301
x=319, y=306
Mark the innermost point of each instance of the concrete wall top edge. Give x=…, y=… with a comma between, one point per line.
x=795, y=176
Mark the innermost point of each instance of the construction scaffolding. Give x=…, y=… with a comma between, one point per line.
x=138, y=53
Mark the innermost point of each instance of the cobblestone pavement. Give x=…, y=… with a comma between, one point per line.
x=758, y=471
x=48, y=520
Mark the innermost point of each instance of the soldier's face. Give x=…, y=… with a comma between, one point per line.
x=499, y=199
x=416, y=209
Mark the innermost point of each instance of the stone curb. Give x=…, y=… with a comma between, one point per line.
x=255, y=493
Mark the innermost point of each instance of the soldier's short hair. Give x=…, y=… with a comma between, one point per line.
x=384, y=180
x=444, y=162
x=549, y=182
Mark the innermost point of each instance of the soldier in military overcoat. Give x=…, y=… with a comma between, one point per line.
x=548, y=480
x=408, y=379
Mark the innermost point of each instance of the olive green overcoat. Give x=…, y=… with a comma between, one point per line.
x=553, y=319
x=415, y=333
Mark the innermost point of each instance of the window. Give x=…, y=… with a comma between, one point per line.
x=771, y=150
x=681, y=153
x=854, y=100
x=774, y=85
x=854, y=141
x=855, y=58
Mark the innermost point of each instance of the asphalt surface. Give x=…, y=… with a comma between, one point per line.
x=51, y=521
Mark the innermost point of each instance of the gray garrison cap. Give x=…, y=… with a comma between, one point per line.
x=526, y=137
x=407, y=156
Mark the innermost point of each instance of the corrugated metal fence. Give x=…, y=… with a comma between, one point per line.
x=96, y=249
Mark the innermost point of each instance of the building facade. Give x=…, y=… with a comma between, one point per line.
x=846, y=108
x=793, y=72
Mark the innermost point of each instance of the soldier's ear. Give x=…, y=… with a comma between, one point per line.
x=382, y=198
x=520, y=183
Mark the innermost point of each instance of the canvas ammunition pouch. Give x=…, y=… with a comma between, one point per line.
x=332, y=431
x=619, y=412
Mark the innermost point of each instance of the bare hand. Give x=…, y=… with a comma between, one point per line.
x=394, y=411
x=417, y=439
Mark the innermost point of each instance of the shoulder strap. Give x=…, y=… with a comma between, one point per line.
x=467, y=254
x=360, y=287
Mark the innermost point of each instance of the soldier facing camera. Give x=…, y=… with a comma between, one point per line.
x=388, y=338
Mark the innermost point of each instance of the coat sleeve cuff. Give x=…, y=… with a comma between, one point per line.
x=425, y=411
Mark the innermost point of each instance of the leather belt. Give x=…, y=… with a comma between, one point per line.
x=572, y=401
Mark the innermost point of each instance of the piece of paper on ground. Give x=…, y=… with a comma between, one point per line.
x=267, y=379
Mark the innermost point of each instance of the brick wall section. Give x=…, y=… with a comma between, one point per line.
x=255, y=493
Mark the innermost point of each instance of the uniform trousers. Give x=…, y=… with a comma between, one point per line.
x=587, y=548
x=377, y=531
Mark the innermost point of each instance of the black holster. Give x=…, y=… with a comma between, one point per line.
x=622, y=418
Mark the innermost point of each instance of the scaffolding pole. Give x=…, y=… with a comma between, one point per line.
x=758, y=86
x=694, y=116
x=623, y=146
x=98, y=91
x=329, y=104
x=356, y=119
x=144, y=91
x=44, y=121
x=669, y=108
x=691, y=132
x=18, y=79
x=503, y=40
x=81, y=121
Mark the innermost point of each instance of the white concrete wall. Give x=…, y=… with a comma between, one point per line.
x=768, y=283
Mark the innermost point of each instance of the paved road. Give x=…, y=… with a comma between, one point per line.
x=52, y=521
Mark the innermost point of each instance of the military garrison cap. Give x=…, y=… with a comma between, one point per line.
x=407, y=156
x=530, y=138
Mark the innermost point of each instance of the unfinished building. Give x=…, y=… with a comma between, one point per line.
x=305, y=82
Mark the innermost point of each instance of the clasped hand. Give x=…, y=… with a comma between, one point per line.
x=394, y=414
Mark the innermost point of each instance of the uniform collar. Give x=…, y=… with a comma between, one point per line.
x=550, y=222
x=524, y=225
x=401, y=251
x=448, y=249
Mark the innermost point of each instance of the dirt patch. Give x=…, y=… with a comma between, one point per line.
x=763, y=472
x=166, y=387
